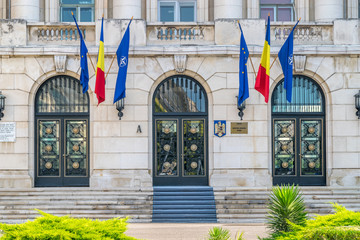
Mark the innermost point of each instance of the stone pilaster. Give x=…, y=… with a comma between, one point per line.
x=227, y=9
x=26, y=9
x=328, y=10
x=302, y=8
x=253, y=10
x=126, y=9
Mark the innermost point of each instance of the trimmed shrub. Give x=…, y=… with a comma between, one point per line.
x=66, y=228
x=286, y=205
x=342, y=225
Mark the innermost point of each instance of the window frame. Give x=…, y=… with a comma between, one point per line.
x=177, y=5
x=78, y=10
x=276, y=8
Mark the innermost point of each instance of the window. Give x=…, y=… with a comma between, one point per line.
x=83, y=10
x=177, y=11
x=280, y=10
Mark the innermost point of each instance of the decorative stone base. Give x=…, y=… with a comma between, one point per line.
x=108, y=179
x=345, y=178
x=15, y=179
x=241, y=178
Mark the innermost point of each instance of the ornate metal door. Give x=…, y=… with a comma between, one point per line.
x=298, y=151
x=62, y=153
x=180, y=152
x=180, y=132
x=61, y=134
x=298, y=134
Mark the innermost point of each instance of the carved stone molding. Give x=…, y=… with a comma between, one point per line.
x=299, y=62
x=180, y=63
x=60, y=63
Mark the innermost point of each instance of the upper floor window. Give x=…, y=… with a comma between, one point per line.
x=177, y=11
x=280, y=10
x=83, y=10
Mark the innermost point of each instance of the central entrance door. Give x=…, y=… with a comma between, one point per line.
x=61, y=134
x=180, y=133
x=299, y=134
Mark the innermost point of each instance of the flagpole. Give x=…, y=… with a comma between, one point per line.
x=277, y=55
x=113, y=58
x=274, y=61
x=87, y=52
x=92, y=64
x=249, y=54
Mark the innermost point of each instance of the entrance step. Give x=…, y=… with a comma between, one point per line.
x=185, y=204
x=249, y=205
x=18, y=205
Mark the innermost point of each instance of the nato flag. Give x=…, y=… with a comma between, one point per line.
x=286, y=60
x=122, y=55
x=243, y=75
x=84, y=75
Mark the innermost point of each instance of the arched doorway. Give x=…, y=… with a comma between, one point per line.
x=180, y=130
x=298, y=134
x=61, y=133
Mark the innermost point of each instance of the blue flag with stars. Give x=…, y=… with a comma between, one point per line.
x=84, y=74
x=243, y=75
x=122, y=55
x=286, y=60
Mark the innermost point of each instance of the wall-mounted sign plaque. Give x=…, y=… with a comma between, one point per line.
x=7, y=132
x=239, y=128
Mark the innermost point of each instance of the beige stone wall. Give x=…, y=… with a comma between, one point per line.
x=120, y=156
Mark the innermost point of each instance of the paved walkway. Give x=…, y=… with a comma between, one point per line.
x=191, y=231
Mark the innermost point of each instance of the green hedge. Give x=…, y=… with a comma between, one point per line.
x=51, y=227
x=342, y=225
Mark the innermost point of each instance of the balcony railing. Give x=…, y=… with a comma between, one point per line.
x=60, y=33
x=180, y=33
x=305, y=34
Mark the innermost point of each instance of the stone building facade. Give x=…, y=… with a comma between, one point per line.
x=63, y=138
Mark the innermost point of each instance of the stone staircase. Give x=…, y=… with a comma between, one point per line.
x=171, y=204
x=186, y=204
x=249, y=205
x=17, y=205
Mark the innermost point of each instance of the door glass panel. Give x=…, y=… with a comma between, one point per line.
x=76, y=148
x=48, y=149
x=193, y=147
x=284, y=147
x=311, y=157
x=166, y=148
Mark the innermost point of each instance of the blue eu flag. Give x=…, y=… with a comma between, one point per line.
x=84, y=75
x=243, y=75
x=286, y=60
x=122, y=55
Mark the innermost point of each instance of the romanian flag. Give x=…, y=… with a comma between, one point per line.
x=100, y=69
x=262, y=78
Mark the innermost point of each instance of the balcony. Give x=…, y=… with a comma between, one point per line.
x=304, y=33
x=60, y=33
x=223, y=32
x=180, y=34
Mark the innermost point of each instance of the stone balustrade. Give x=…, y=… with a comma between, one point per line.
x=59, y=33
x=305, y=34
x=180, y=33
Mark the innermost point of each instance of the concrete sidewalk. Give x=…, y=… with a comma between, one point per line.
x=191, y=231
